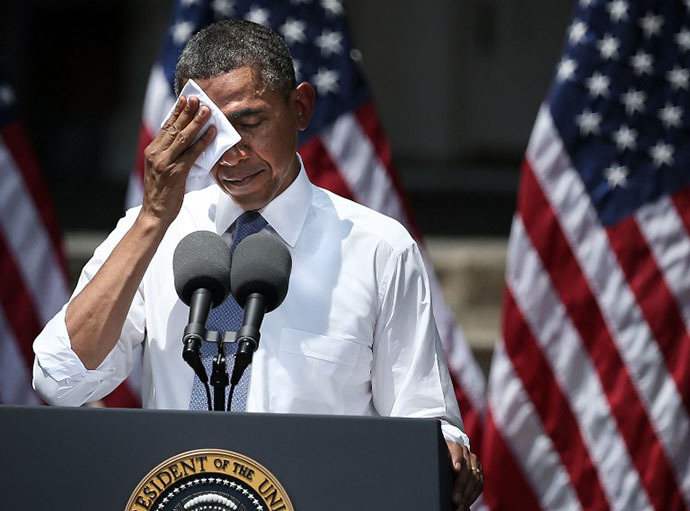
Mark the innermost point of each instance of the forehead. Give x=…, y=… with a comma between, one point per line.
x=239, y=88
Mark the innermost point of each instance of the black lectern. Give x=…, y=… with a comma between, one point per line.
x=94, y=459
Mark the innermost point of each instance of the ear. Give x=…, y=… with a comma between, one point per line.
x=303, y=104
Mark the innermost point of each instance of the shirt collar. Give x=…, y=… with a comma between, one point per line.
x=286, y=213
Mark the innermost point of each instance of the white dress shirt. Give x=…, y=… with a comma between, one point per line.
x=354, y=336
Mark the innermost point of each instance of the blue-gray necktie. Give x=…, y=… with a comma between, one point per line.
x=225, y=318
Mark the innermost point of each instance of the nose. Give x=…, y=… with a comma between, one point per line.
x=234, y=155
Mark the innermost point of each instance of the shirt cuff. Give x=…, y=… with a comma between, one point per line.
x=454, y=434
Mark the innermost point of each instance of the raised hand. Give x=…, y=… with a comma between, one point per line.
x=169, y=157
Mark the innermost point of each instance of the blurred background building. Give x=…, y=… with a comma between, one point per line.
x=457, y=85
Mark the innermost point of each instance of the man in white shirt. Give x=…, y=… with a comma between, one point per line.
x=355, y=335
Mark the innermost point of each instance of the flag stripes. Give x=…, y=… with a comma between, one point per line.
x=545, y=394
x=505, y=487
x=353, y=153
x=32, y=264
x=656, y=303
x=681, y=200
x=570, y=369
x=581, y=303
x=15, y=375
x=664, y=232
x=321, y=169
x=597, y=342
x=18, y=304
x=26, y=237
x=17, y=144
x=623, y=347
x=533, y=451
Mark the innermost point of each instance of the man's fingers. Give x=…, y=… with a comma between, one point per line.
x=462, y=468
x=200, y=145
x=182, y=141
x=179, y=107
x=475, y=482
x=469, y=478
x=180, y=119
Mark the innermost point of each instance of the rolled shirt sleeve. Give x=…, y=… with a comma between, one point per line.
x=59, y=376
x=410, y=375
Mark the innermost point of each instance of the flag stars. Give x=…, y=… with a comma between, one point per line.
x=598, y=85
x=293, y=31
x=651, y=24
x=577, y=32
x=625, y=138
x=329, y=42
x=6, y=95
x=633, y=101
x=181, y=32
x=325, y=81
x=670, y=116
x=642, y=63
x=332, y=7
x=683, y=39
x=566, y=69
x=588, y=122
x=662, y=154
x=616, y=176
x=223, y=8
x=258, y=15
x=608, y=47
x=188, y=3
x=678, y=77
x=618, y=9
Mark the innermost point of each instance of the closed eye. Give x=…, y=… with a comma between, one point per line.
x=247, y=125
x=246, y=118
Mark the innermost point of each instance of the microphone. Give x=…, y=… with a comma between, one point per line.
x=201, y=269
x=259, y=282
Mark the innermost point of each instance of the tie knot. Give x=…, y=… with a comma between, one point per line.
x=249, y=222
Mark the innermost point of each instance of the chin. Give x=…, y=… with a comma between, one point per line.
x=248, y=202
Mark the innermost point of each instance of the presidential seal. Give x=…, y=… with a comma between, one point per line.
x=209, y=480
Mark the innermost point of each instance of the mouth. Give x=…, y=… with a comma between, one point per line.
x=240, y=181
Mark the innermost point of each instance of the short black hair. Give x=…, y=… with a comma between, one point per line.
x=231, y=44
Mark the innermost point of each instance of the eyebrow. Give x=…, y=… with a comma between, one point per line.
x=245, y=112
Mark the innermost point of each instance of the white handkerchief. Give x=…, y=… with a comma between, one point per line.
x=226, y=135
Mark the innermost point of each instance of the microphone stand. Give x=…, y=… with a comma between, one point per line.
x=219, y=379
x=219, y=374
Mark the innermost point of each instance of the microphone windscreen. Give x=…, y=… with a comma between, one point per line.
x=261, y=264
x=202, y=260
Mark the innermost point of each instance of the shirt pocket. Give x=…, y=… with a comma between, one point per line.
x=312, y=373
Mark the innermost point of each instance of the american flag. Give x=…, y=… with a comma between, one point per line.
x=33, y=273
x=344, y=149
x=589, y=392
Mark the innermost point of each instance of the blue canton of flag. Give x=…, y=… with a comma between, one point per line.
x=620, y=101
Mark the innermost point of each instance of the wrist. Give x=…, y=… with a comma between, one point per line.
x=149, y=224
